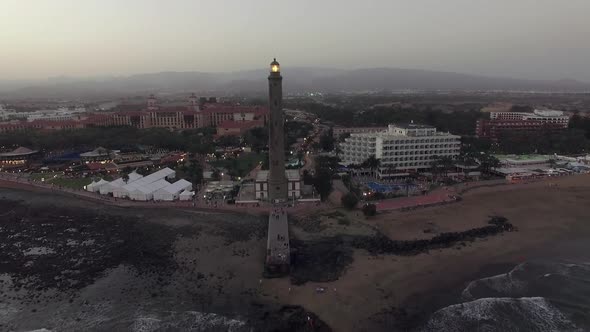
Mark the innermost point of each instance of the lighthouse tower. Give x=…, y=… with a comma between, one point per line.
x=277, y=181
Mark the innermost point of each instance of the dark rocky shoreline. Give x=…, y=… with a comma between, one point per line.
x=81, y=266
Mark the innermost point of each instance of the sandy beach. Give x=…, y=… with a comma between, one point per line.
x=553, y=222
x=176, y=267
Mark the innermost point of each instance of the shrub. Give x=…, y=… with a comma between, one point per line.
x=349, y=201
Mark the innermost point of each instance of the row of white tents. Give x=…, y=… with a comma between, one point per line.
x=144, y=188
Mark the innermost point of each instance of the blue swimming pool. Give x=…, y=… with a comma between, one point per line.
x=386, y=188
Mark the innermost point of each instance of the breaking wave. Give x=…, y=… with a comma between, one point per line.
x=188, y=321
x=501, y=314
x=534, y=296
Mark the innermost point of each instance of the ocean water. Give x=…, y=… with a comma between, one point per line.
x=534, y=296
x=188, y=321
x=162, y=321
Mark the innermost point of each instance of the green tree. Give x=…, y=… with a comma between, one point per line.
x=256, y=138
x=125, y=174
x=228, y=141
x=193, y=173
x=343, y=137
x=323, y=184
x=327, y=142
x=349, y=201
x=487, y=162
x=327, y=164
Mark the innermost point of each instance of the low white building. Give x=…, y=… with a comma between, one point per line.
x=172, y=191
x=410, y=147
x=293, y=186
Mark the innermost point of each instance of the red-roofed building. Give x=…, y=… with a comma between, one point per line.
x=40, y=125
x=101, y=166
x=153, y=116
x=493, y=129
x=231, y=127
x=174, y=157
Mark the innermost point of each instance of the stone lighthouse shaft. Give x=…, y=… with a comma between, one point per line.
x=277, y=181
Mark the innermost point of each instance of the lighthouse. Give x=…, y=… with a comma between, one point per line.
x=277, y=181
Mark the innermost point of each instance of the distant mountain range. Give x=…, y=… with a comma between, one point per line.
x=300, y=79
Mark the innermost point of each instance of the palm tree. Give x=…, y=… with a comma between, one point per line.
x=338, y=150
x=447, y=164
x=390, y=170
x=408, y=182
x=373, y=164
x=435, y=167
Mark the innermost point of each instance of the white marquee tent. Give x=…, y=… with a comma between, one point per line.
x=125, y=190
x=172, y=191
x=89, y=186
x=96, y=185
x=186, y=195
x=145, y=192
x=118, y=183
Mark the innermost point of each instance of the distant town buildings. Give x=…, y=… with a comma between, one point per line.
x=547, y=116
x=410, y=147
x=520, y=121
x=151, y=115
x=60, y=114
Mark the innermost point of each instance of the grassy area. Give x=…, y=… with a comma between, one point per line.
x=58, y=179
x=76, y=183
x=46, y=176
x=340, y=217
x=242, y=165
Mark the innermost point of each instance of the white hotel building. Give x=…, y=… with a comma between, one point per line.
x=410, y=147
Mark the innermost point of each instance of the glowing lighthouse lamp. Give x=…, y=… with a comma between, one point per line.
x=275, y=67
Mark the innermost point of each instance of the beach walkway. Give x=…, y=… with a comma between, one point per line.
x=278, y=253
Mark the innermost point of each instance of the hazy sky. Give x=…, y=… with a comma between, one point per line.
x=517, y=38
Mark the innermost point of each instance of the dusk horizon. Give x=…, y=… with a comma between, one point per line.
x=528, y=39
x=266, y=165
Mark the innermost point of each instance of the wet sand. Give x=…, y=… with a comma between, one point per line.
x=215, y=265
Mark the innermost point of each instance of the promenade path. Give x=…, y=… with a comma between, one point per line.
x=11, y=180
x=441, y=195
x=278, y=251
